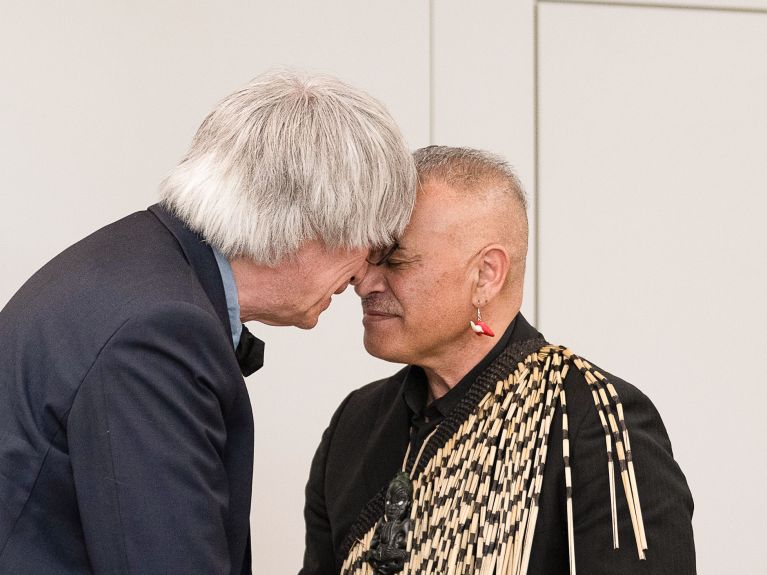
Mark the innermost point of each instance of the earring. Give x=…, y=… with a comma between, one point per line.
x=480, y=327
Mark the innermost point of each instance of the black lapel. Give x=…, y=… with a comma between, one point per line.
x=388, y=442
x=201, y=259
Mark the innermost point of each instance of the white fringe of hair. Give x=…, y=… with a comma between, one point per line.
x=291, y=158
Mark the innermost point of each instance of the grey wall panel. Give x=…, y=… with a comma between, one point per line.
x=653, y=140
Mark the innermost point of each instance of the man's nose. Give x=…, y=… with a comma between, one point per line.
x=372, y=282
x=360, y=274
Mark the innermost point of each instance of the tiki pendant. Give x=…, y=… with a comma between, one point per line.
x=388, y=549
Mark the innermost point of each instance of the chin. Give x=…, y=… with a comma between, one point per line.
x=382, y=348
x=308, y=322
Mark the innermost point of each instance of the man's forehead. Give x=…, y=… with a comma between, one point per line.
x=438, y=187
x=458, y=220
x=440, y=210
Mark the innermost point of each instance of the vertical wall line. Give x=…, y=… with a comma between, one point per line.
x=431, y=72
x=536, y=173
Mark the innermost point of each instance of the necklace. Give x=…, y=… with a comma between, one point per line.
x=474, y=505
x=388, y=548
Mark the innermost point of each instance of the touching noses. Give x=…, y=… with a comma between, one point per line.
x=356, y=278
x=372, y=282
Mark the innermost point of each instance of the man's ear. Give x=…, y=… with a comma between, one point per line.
x=493, y=267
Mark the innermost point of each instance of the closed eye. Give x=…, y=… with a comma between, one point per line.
x=393, y=263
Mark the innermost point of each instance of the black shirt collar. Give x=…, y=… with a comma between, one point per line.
x=415, y=389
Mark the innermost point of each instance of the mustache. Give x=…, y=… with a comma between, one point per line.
x=378, y=303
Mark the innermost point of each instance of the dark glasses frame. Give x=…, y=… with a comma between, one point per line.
x=379, y=257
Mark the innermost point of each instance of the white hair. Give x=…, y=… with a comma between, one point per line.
x=288, y=159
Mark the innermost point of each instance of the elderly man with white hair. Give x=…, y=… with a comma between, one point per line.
x=126, y=432
x=493, y=451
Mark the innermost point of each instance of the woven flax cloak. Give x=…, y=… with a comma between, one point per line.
x=477, y=485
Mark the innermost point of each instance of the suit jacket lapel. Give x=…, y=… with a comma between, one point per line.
x=201, y=259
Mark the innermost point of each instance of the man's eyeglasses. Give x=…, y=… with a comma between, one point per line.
x=379, y=256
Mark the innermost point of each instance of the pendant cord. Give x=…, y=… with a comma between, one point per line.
x=420, y=452
x=407, y=454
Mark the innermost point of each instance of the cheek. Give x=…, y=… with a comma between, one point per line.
x=299, y=303
x=433, y=313
x=312, y=288
x=325, y=278
x=435, y=301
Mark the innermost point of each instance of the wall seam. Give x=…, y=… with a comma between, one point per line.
x=536, y=177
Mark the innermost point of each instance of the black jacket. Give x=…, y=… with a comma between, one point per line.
x=368, y=435
x=126, y=433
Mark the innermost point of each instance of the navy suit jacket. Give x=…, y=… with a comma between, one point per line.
x=126, y=432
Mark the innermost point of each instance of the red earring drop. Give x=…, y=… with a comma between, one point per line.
x=480, y=327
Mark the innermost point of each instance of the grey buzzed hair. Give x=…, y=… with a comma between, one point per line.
x=483, y=176
x=468, y=169
x=290, y=158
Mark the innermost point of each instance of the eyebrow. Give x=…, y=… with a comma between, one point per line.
x=407, y=253
x=400, y=249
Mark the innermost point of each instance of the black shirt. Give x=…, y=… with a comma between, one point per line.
x=425, y=416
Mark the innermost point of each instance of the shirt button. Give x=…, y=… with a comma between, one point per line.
x=426, y=419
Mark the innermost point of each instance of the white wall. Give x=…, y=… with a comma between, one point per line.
x=651, y=197
x=645, y=127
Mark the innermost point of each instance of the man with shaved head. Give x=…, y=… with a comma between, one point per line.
x=522, y=456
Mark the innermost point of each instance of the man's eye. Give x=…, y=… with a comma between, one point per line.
x=380, y=256
x=393, y=263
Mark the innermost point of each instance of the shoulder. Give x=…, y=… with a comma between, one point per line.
x=134, y=272
x=169, y=337
x=165, y=352
x=637, y=407
x=178, y=317
x=368, y=407
x=106, y=277
x=172, y=332
x=665, y=498
x=363, y=406
x=378, y=391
